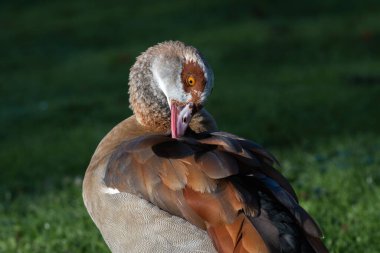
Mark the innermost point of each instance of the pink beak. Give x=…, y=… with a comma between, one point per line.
x=180, y=118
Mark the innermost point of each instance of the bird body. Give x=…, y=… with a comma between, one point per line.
x=129, y=223
x=166, y=180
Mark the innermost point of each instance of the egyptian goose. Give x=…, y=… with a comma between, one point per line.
x=165, y=179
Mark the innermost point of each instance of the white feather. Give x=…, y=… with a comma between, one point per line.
x=109, y=190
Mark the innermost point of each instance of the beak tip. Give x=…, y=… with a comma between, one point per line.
x=180, y=118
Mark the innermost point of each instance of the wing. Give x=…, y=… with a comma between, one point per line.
x=220, y=183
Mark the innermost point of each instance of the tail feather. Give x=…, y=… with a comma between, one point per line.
x=279, y=230
x=302, y=217
x=317, y=245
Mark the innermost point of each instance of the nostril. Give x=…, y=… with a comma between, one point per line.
x=184, y=119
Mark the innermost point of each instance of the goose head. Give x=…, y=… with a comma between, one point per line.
x=168, y=84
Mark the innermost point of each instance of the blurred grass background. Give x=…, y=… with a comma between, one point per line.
x=302, y=78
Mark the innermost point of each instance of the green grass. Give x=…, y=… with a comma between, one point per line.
x=301, y=78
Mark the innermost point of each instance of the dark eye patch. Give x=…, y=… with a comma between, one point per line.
x=193, y=69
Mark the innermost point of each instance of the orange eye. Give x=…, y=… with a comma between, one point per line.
x=191, y=81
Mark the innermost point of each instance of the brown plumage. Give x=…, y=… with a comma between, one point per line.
x=219, y=182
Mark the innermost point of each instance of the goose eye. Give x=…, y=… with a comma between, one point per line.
x=190, y=81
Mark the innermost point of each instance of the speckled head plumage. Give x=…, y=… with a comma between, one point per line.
x=168, y=82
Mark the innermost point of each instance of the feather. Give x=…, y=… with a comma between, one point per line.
x=172, y=149
x=303, y=219
x=222, y=142
x=173, y=174
x=217, y=164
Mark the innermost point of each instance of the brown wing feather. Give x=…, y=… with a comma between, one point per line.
x=218, y=182
x=229, y=228
x=238, y=237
